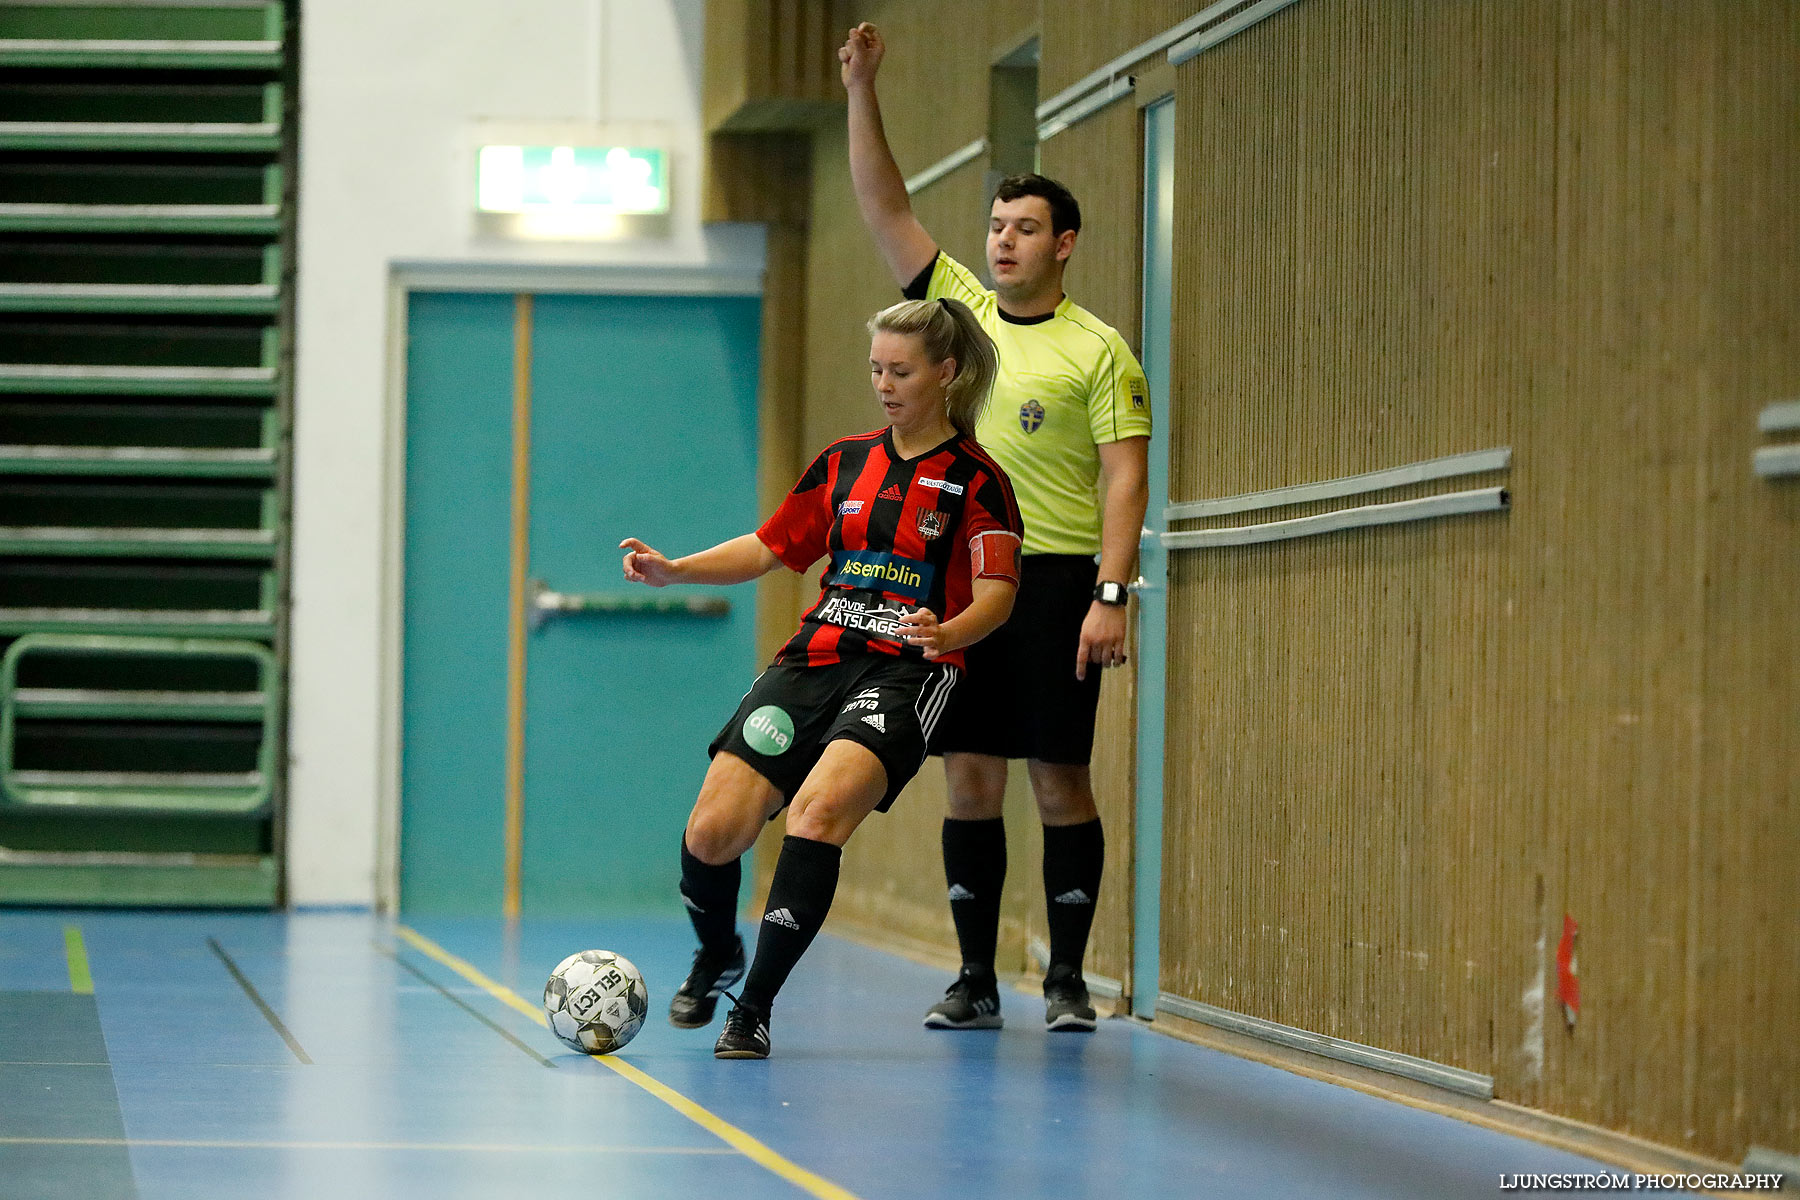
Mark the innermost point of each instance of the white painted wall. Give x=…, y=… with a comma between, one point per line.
x=391, y=94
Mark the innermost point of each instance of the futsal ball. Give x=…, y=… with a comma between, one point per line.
x=596, y=1001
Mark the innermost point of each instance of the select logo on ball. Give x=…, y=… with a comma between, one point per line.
x=596, y=1001
x=769, y=730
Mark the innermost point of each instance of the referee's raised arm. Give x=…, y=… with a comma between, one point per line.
x=880, y=188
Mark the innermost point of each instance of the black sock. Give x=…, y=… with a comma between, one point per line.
x=710, y=894
x=975, y=869
x=806, y=878
x=1074, y=856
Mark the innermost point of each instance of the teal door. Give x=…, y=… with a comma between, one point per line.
x=533, y=678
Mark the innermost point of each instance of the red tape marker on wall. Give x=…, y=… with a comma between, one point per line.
x=1568, y=985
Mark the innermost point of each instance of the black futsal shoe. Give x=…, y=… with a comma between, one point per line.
x=746, y=1032
x=972, y=1002
x=693, y=1003
x=1066, y=1004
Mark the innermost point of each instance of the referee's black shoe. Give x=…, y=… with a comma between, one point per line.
x=746, y=1032
x=1066, y=1004
x=693, y=1003
x=972, y=1002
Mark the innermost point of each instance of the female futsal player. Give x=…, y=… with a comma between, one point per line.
x=923, y=537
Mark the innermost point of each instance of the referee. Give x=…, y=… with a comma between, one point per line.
x=1069, y=422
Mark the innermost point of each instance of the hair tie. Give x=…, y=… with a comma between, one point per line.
x=944, y=303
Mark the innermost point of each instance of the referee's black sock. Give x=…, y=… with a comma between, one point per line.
x=975, y=869
x=806, y=878
x=1074, y=856
x=710, y=895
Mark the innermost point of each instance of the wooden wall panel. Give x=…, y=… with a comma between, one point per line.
x=1744, y=1055
x=1622, y=775
x=1422, y=229
x=1010, y=23
x=725, y=81
x=1334, y=806
x=770, y=65
x=1079, y=38
x=757, y=177
x=933, y=84
x=1099, y=160
x=781, y=454
x=1337, y=876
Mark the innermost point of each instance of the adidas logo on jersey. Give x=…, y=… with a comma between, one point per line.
x=876, y=721
x=891, y=492
x=959, y=892
x=781, y=917
x=1074, y=896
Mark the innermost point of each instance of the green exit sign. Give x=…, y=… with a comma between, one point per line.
x=597, y=180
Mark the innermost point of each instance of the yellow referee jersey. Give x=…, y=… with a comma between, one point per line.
x=1068, y=384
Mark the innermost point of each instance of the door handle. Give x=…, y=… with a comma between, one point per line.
x=543, y=603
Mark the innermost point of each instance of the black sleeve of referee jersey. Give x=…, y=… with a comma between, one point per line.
x=921, y=284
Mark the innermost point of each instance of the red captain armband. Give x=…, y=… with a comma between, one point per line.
x=995, y=555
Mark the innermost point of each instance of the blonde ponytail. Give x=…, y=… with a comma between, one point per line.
x=948, y=329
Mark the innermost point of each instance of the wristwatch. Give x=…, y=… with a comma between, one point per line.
x=1112, y=594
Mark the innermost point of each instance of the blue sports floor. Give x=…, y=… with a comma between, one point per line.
x=336, y=1055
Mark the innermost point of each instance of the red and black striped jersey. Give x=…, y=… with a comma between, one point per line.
x=898, y=533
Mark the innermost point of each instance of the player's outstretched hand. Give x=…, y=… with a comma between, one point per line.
x=924, y=631
x=646, y=565
x=861, y=54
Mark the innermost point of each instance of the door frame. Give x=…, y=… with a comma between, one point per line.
x=404, y=278
x=1156, y=134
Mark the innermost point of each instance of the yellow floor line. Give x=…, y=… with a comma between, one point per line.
x=81, y=980
x=458, y=1147
x=730, y=1134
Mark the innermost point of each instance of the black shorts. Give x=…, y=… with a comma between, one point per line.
x=1021, y=699
x=790, y=714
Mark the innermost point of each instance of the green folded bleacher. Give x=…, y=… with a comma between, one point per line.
x=145, y=257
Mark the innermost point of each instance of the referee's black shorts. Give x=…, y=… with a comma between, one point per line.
x=790, y=714
x=1021, y=698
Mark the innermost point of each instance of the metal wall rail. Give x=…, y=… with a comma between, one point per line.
x=1780, y=461
x=1489, y=499
x=1467, y=1083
